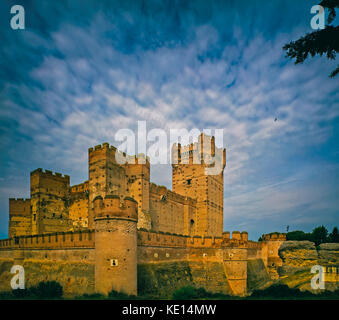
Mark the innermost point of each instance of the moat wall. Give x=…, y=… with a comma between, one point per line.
x=76, y=274
x=165, y=262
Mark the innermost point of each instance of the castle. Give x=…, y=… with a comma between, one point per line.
x=120, y=231
x=194, y=207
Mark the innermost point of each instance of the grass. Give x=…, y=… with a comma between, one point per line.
x=52, y=290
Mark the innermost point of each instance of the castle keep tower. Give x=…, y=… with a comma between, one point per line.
x=115, y=244
x=106, y=176
x=193, y=176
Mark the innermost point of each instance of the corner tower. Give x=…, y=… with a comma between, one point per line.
x=198, y=172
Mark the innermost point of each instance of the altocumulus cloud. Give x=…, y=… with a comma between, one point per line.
x=81, y=71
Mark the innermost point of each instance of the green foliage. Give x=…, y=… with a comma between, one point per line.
x=297, y=235
x=93, y=296
x=334, y=236
x=48, y=290
x=321, y=42
x=184, y=293
x=21, y=293
x=282, y=291
x=114, y=295
x=331, y=5
x=319, y=235
x=192, y=293
x=44, y=290
x=276, y=291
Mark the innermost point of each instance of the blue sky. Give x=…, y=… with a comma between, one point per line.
x=81, y=70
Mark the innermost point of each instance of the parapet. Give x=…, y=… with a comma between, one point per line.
x=167, y=194
x=238, y=238
x=236, y=235
x=119, y=156
x=81, y=187
x=19, y=207
x=49, y=173
x=244, y=236
x=201, y=152
x=111, y=207
x=19, y=200
x=274, y=237
x=81, y=239
x=226, y=235
x=140, y=159
x=103, y=146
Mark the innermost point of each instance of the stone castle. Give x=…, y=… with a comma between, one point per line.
x=120, y=231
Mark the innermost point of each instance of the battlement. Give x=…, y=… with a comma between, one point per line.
x=238, y=239
x=49, y=173
x=236, y=235
x=165, y=195
x=19, y=207
x=117, y=155
x=112, y=207
x=274, y=237
x=52, y=240
x=81, y=187
x=19, y=199
x=161, y=239
x=98, y=147
x=201, y=152
x=137, y=159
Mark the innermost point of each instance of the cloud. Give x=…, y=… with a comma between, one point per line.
x=81, y=79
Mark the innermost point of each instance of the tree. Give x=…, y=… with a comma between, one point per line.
x=325, y=41
x=319, y=235
x=334, y=236
x=296, y=236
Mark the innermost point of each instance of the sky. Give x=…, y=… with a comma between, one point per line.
x=82, y=70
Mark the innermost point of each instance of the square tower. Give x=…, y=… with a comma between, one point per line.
x=106, y=176
x=19, y=217
x=49, y=202
x=138, y=187
x=198, y=172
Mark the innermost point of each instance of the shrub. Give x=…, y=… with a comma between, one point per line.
x=48, y=290
x=115, y=295
x=21, y=293
x=185, y=293
x=190, y=293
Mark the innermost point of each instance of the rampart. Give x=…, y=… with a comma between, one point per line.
x=80, y=239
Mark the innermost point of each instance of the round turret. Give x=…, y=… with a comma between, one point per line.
x=236, y=235
x=115, y=245
x=97, y=205
x=131, y=208
x=112, y=205
x=226, y=235
x=244, y=236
